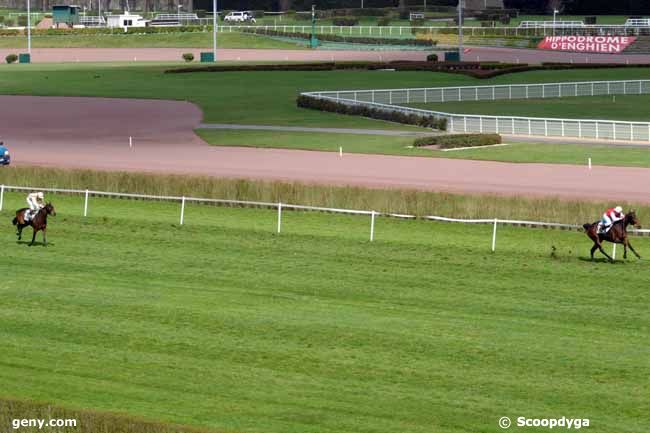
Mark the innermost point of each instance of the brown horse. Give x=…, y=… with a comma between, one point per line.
x=617, y=234
x=38, y=222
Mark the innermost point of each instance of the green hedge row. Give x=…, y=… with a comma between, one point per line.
x=311, y=102
x=348, y=39
x=345, y=21
x=399, y=65
x=454, y=141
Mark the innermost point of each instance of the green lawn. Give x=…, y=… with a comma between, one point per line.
x=386, y=145
x=253, y=97
x=160, y=40
x=223, y=323
x=619, y=107
x=559, y=154
x=351, y=143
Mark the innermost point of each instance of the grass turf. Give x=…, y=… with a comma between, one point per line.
x=620, y=107
x=224, y=324
x=387, y=145
x=253, y=97
x=160, y=40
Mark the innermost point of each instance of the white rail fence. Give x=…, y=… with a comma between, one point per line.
x=386, y=100
x=183, y=200
x=585, y=30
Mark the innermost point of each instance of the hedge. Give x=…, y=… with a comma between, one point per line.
x=454, y=141
x=314, y=103
x=345, y=21
x=398, y=65
x=349, y=39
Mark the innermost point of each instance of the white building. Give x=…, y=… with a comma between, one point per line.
x=126, y=20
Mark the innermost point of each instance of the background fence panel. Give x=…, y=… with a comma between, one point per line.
x=387, y=100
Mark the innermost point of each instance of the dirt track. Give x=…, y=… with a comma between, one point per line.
x=93, y=133
x=49, y=55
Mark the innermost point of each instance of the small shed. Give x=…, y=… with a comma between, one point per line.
x=65, y=15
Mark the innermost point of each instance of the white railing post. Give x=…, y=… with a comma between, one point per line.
x=182, y=210
x=86, y=204
x=372, y=226
x=494, y=235
x=530, y=127
x=2, y=196
x=279, y=217
x=614, y=252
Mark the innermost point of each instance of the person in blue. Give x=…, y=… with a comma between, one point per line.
x=5, y=159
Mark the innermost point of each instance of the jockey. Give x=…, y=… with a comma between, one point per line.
x=610, y=216
x=36, y=202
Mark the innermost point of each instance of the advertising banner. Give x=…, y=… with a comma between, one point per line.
x=587, y=44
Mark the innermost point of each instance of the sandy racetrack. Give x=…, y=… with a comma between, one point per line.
x=93, y=133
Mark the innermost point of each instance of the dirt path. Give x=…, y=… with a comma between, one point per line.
x=93, y=133
x=514, y=55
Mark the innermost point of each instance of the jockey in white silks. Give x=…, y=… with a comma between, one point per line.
x=610, y=216
x=36, y=202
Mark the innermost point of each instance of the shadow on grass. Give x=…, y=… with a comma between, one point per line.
x=29, y=243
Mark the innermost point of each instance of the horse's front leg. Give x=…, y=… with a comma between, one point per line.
x=600, y=247
x=33, y=238
x=631, y=248
x=625, y=249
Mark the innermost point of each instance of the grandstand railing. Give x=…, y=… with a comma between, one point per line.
x=280, y=207
x=387, y=100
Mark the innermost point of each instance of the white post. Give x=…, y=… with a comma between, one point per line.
x=214, y=30
x=182, y=210
x=130, y=142
x=2, y=196
x=279, y=217
x=614, y=252
x=589, y=162
x=494, y=235
x=86, y=204
x=29, y=29
x=340, y=151
x=372, y=226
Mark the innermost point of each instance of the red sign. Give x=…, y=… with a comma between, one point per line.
x=587, y=44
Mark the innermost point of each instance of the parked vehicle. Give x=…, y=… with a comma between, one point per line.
x=239, y=17
x=5, y=158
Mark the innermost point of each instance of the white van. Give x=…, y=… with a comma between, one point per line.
x=239, y=17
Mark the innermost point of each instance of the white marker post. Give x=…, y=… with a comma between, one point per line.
x=372, y=226
x=494, y=235
x=182, y=210
x=86, y=204
x=340, y=151
x=2, y=196
x=614, y=252
x=130, y=142
x=279, y=217
x=589, y=163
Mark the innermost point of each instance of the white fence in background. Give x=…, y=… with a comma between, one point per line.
x=386, y=100
x=182, y=201
x=585, y=30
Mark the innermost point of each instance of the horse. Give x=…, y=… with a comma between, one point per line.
x=38, y=222
x=617, y=234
